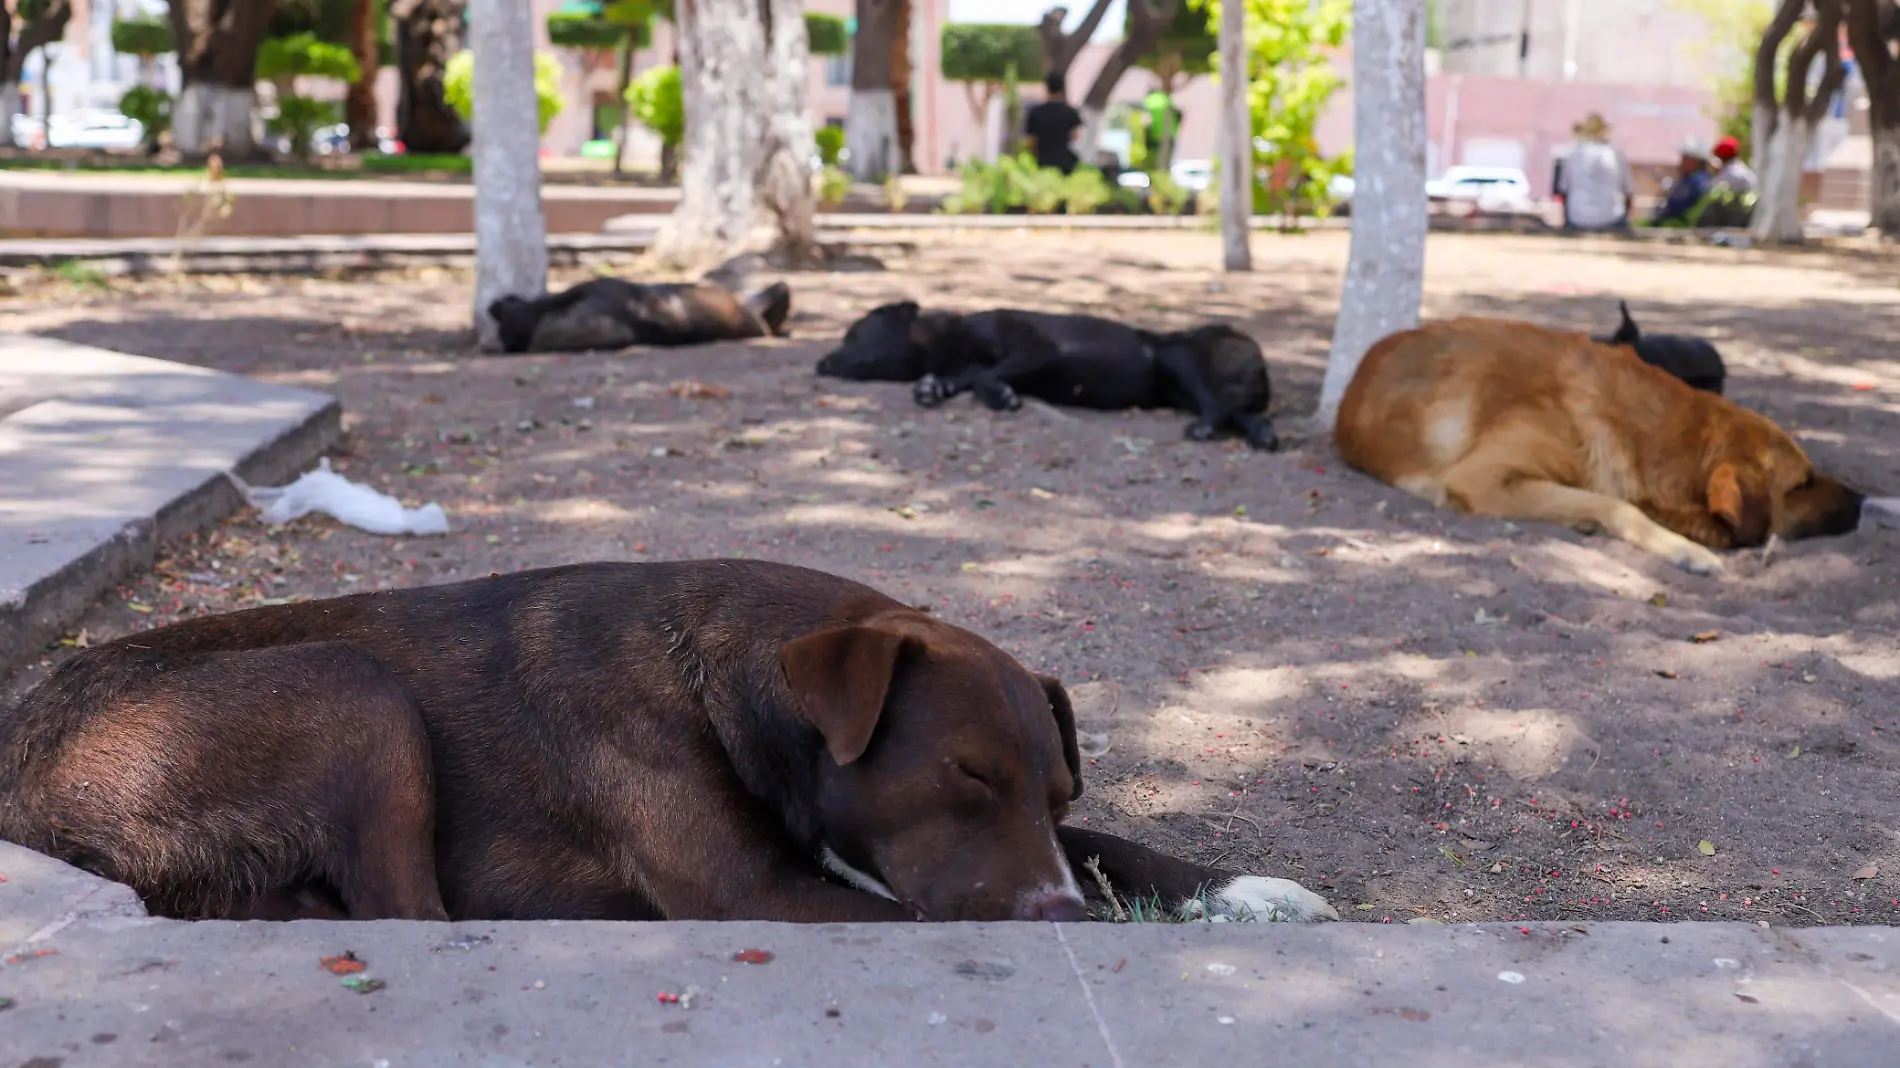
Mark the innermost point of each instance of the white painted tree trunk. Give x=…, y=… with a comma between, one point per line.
x=511, y=245
x=785, y=171
x=1385, y=271
x=721, y=52
x=1236, y=137
x=870, y=134
x=1087, y=138
x=9, y=107
x=1778, y=194
x=212, y=117
x=1762, y=127
x=1886, y=181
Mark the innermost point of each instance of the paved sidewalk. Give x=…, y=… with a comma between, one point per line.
x=104, y=457
x=92, y=985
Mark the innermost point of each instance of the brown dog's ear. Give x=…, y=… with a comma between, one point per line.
x=840, y=678
x=1746, y=510
x=1065, y=726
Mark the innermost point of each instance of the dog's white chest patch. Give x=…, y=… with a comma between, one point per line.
x=1261, y=899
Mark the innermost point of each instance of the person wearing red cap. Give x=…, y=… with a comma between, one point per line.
x=1734, y=174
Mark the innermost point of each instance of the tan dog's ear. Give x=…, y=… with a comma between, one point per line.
x=1745, y=510
x=1064, y=713
x=840, y=677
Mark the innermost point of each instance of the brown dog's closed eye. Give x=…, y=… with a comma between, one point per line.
x=1744, y=508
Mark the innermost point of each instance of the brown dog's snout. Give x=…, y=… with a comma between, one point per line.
x=1054, y=906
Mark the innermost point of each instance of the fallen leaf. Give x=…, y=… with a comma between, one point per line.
x=694, y=389
x=1496, y=869
x=1660, y=600
x=753, y=956
x=1040, y=494
x=1667, y=674
x=1705, y=637
x=1867, y=872
x=905, y=511
x=969, y=567
x=1750, y=998
x=1862, y=387
x=346, y=964
x=1795, y=752
x=139, y=607
x=1706, y=847
x=1365, y=908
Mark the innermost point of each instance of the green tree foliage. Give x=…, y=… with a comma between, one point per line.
x=1288, y=42
x=830, y=144
x=143, y=35
x=281, y=61
x=1186, y=49
x=657, y=103
x=1727, y=57
x=150, y=108
x=826, y=34
x=979, y=52
x=458, y=85
x=595, y=26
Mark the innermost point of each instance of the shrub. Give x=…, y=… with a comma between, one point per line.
x=1165, y=195
x=143, y=35
x=830, y=144
x=280, y=59
x=150, y=108
x=833, y=186
x=655, y=99
x=1086, y=191
x=458, y=85
x=826, y=34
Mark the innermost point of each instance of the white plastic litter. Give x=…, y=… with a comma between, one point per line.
x=1880, y=512
x=323, y=490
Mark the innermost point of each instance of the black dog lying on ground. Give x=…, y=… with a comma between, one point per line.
x=713, y=739
x=1214, y=372
x=1691, y=359
x=607, y=313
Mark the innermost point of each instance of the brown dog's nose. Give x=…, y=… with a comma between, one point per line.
x=1054, y=907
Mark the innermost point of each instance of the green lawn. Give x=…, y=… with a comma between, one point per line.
x=432, y=166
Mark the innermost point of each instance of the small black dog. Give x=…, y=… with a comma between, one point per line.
x=1691, y=359
x=1215, y=372
x=607, y=313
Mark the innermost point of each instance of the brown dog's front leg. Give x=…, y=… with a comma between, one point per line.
x=1139, y=876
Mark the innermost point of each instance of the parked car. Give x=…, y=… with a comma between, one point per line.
x=94, y=128
x=1193, y=175
x=1489, y=188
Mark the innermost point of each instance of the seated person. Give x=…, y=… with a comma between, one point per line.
x=1693, y=183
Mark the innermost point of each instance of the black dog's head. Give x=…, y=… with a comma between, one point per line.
x=516, y=317
x=879, y=348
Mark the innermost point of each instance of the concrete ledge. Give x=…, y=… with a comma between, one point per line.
x=105, y=987
x=105, y=457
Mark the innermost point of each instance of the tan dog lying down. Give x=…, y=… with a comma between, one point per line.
x=1511, y=420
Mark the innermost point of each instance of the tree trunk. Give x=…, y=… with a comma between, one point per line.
x=626, y=112
x=359, y=107
x=1059, y=49
x=1787, y=15
x=428, y=33
x=1236, y=138
x=784, y=179
x=1385, y=270
x=1147, y=21
x=870, y=124
x=900, y=86
x=511, y=246
x=216, y=43
x=1868, y=30
x=1778, y=200
x=34, y=35
x=722, y=52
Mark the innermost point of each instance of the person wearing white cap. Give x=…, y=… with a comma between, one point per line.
x=1594, y=181
x=1693, y=182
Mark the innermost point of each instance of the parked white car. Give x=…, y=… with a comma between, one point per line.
x=97, y=128
x=1490, y=188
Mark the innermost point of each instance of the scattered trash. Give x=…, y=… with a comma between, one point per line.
x=323, y=490
x=539, y=984
x=1221, y=969
x=583, y=403
x=346, y=964
x=684, y=999
x=1092, y=744
x=936, y=1018
x=694, y=389
x=36, y=954
x=5, y=1004
x=1866, y=872
x=1040, y=494
x=1880, y=512
x=1224, y=1020
x=363, y=986
x=1425, y=921
x=1513, y=978
x=1727, y=962
x=464, y=942
x=753, y=956
x=1706, y=848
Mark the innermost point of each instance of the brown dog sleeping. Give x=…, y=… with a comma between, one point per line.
x=1516, y=421
x=716, y=739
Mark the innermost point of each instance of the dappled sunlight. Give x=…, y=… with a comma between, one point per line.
x=1525, y=743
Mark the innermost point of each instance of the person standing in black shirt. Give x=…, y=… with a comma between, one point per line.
x=1051, y=126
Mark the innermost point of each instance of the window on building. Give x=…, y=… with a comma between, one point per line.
x=838, y=69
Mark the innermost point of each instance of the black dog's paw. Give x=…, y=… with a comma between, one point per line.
x=1264, y=439
x=1200, y=432
x=930, y=391
x=1001, y=398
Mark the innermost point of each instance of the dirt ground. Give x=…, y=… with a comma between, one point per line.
x=1298, y=671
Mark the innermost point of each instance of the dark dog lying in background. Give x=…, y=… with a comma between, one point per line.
x=1215, y=373
x=607, y=313
x=713, y=739
x=1691, y=359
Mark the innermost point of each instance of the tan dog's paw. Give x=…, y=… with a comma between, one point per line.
x=1257, y=898
x=1696, y=559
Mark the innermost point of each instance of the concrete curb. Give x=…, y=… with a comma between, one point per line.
x=95, y=984
x=106, y=457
